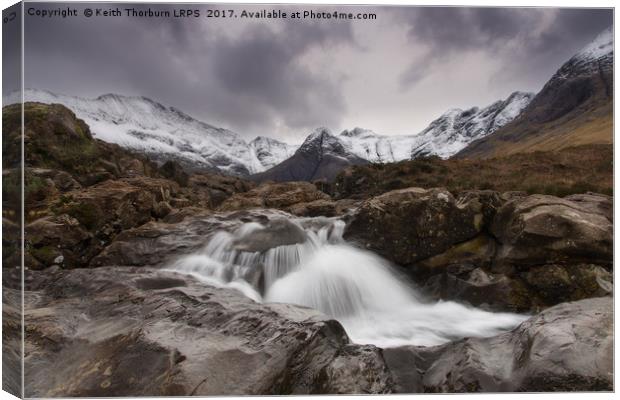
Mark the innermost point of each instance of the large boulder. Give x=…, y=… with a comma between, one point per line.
x=413, y=224
x=595, y=202
x=276, y=232
x=211, y=190
x=58, y=240
x=81, y=222
x=323, y=208
x=116, y=204
x=141, y=332
x=553, y=283
x=542, y=229
x=473, y=285
x=568, y=347
x=505, y=252
x=157, y=243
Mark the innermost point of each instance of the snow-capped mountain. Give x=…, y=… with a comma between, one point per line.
x=574, y=107
x=270, y=151
x=321, y=156
x=162, y=132
x=599, y=51
x=577, y=80
x=455, y=129
x=444, y=137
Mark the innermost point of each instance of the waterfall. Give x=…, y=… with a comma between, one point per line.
x=305, y=261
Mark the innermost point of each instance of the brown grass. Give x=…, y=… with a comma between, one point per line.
x=592, y=127
x=572, y=170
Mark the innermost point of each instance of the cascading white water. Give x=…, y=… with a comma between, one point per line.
x=318, y=269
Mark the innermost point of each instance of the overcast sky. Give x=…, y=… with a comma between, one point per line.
x=282, y=78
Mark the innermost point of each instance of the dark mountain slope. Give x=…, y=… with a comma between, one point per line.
x=575, y=107
x=321, y=157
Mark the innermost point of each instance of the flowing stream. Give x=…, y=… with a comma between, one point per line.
x=306, y=262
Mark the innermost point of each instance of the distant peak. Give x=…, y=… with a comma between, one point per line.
x=321, y=140
x=318, y=134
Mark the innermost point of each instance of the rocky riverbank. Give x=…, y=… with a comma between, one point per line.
x=104, y=319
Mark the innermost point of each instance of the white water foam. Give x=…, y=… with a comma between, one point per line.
x=354, y=286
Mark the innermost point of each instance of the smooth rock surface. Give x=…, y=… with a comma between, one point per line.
x=543, y=229
x=142, y=332
x=568, y=347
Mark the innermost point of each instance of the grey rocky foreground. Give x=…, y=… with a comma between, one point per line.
x=130, y=331
x=568, y=347
x=497, y=251
x=137, y=331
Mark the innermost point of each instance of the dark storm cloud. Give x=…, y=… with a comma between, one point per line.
x=285, y=76
x=251, y=80
x=545, y=36
x=262, y=66
x=451, y=28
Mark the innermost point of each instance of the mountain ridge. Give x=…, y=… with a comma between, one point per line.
x=574, y=107
x=161, y=132
x=320, y=157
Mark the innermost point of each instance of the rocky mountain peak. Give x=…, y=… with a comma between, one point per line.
x=320, y=141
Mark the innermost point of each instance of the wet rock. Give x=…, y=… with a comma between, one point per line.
x=568, y=347
x=274, y=195
x=478, y=251
x=543, y=229
x=559, y=283
x=486, y=202
x=413, y=224
x=594, y=202
x=325, y=208
x=141, y=332
x=156, y=243
x=159, y=242
x=277, y=232
x=475, y=286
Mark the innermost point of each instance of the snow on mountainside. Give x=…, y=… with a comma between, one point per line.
x=602, y=46
x=144, y=125
x=163, y=133
x=271, y=151
x=444, y=137
x=597, y=57
x=574, y=107
x=321, y=156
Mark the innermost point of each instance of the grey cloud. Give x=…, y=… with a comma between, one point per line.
x=542, y=44
x=261, y=67
x=256, y=77
x=249, y=82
